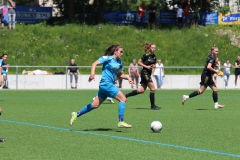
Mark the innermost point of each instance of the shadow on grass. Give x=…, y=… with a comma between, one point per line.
x=200, y=109
x=103, y=129
x=107, y=103
x=142, y=108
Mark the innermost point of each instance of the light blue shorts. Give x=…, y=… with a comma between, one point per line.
x=107, y=90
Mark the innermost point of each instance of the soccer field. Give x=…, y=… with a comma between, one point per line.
x=36, y=126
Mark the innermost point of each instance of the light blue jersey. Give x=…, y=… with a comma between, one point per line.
x=111, y=67
x=1, y=62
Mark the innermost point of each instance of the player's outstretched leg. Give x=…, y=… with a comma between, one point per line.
x=193, y=94
x=215, y=99
x=121, y=110
x=84, y=110
x=133, y=93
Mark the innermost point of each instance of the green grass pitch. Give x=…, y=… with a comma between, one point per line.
x=36, y=126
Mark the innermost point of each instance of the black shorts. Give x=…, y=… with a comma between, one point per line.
x=237, y=72
x=145, y=77
x=1, y=17
x=206, y=80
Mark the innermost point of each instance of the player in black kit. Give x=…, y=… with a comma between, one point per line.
x=206, y=79
x=147, y=61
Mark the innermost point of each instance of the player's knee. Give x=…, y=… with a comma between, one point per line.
x=95, y=105
x=215, y=90
x=200, y=91
x=124, y=99
x=141, y=90
x=152, y=91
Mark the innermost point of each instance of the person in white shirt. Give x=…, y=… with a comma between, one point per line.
x=226, y=72
x=159, y=73
x=180, y=16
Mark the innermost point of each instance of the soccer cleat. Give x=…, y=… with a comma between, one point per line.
x=2, y=139
x=155, y=107
x=110, y=100
x=219, y=106
x=74, y=117
x=124, y=125
x=184, y=99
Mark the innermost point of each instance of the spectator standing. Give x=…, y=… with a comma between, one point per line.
x=134, y=72
x=1, y=16
x=186, y=12
x=237, y=70
x=197, y=15
x=5, y=73
x=141, y=15
x=73, y=71
x=180, y=16
x=227, y=65
x=3, y=58
x=159, y=73
x=152, y=16
x=11, y=14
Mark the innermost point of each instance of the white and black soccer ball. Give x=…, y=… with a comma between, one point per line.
x=156, y=126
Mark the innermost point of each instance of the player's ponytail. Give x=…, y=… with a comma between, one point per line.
x=147, y=46
x=110, y=51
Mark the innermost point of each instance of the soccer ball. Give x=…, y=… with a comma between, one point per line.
x=156, y=126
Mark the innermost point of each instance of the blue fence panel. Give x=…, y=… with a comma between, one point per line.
x=33, y=14
x=168, y=17
x=165, y=17
x=208, y=18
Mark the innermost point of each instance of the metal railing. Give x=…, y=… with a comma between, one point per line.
x=79, y=67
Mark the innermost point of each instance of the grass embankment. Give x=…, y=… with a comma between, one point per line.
x=44, y=45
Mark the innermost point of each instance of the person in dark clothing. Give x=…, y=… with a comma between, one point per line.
x=73, y=71
x=207, y=80
x=148, y=62
x=152, y=16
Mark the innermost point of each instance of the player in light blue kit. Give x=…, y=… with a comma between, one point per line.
x=112, y=66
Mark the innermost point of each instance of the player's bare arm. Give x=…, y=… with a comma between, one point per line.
x=93, y=68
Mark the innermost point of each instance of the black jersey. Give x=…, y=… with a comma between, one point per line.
x=211, y=60
x=148, y=59
x=73, y=69
x=237, y=69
